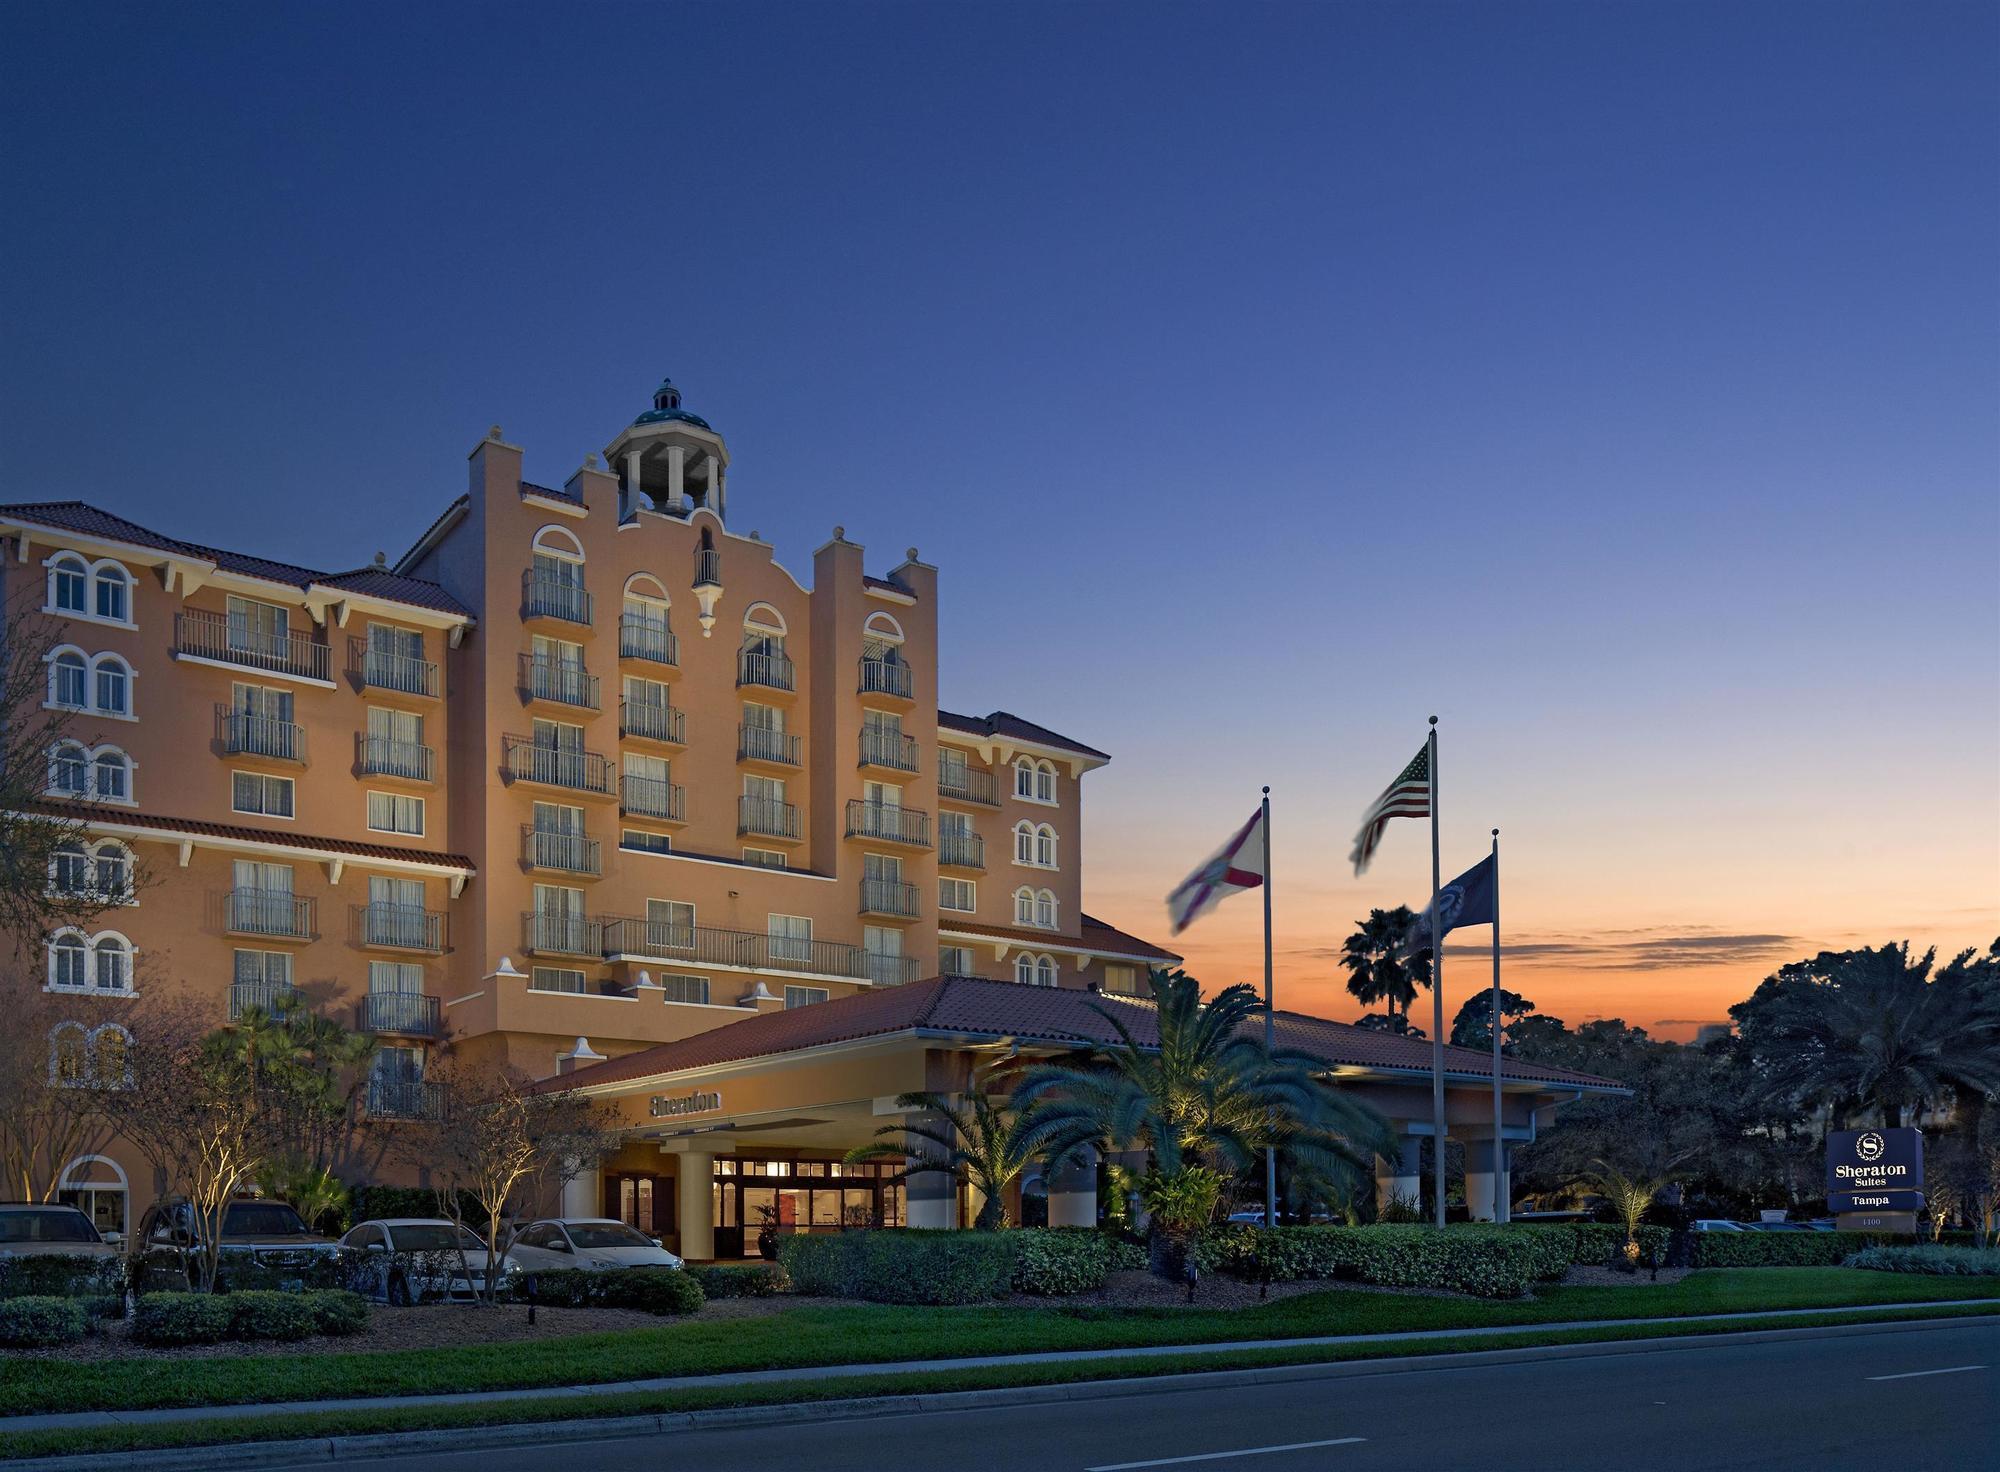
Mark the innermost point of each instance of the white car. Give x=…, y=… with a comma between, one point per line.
x=405, y=1260
x=1716, y=1224
x=591, y=1243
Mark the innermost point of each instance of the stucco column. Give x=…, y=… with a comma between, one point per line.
x=721, y=491
x=676, y=496
x=1402, y=1175
x=930, y=1197
x=633, y=494
x=1485, y=1174
x=1073, y=1193
x=694, y=1201
x=583, y=1195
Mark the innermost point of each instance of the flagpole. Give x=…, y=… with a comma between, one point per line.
x=1270, y=1150
x=1502, y=1193
x=1437, y=992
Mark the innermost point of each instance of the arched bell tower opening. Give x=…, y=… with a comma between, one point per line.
x=670, y=461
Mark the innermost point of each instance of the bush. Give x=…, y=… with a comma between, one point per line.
x=336, y=1311
x=62, y=1275
x=1055, y=1260
x=894, y=1265
x=760, y=1280
x=260, y=1314
x=651, y=1290
x=1946, y=1262
x=372, y=1203
x=1597, y=1243
x=1491, y=1262
x=34, y=1321
x=181, y=1318
x=1778, y=1249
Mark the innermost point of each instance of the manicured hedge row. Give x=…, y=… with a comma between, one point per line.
x=1778, y=1249
x=1944, y=1262
x=760, y=1280
x=651, y=1290
x=1597, y=1243
x=373, y=1203
x=1057, y=1260
x=896, y=1266
x=164, y=1319
x=62, y=1275
x=34, y=1321
x=1491, y=1262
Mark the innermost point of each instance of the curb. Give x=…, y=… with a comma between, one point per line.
x=356, y=1448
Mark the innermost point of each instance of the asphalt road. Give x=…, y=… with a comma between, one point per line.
x=1894, y=1397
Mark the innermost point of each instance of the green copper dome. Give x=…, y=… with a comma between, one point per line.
x=667, y=409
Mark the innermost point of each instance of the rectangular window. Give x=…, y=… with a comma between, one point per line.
x=258, y=628
x=763, y=717
x=885, y=867
x=557, y=736
x=401, y=977
x=387, y=639
x=392, y=812
x=255, y=792
x=765, y=858
x=264, y=968
x=1122, y=981
x=955, y=961
x=882, y=948
x=790, y=939
x=691, y=991
x=261, y=701
x=883, y=794
x=804, y=996
x=647, y=768
x=401, y=726
x=669, y=926
x=644, y=843
x=555, y=979
x=270, y=878
x=957, y=894
x=764, y=789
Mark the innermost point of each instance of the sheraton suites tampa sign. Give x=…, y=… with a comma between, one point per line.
x=1875, y=1171
x=673, y=1106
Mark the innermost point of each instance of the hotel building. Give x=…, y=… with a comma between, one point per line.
x=587, y=782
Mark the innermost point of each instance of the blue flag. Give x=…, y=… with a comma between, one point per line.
x=1466, y=900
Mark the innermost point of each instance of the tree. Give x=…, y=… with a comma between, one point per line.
x=993, y=1146
x=1629, y=1197
x=1395, y=1022
x=1473, y=1026
x=1387, y=960
x=1206, y=1098
x=494, y=1133
x=52, y=1075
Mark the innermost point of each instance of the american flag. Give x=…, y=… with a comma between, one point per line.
x=1409, y=796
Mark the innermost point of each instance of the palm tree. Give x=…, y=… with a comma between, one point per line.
x=1628, y=1195
x=992, y=1145
x=1387, y=960
x=1204, y=1103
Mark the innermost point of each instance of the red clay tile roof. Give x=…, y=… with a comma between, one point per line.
x=373, y=582
x=1102, y=937
x=890, y=583
x=964, y=1006
x=1094, y=935
x=551, y=493
x=281, y=838
x=1004, y=724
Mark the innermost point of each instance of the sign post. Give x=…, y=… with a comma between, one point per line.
x=1875, y=1179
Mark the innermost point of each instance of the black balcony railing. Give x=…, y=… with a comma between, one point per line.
x=888, y=824
x=568, y=853
x=244, y=734
x=411, y=1014
x=378, y=669
x=771, y=671
x=891, y=897
x=578, y=770
x=704, y=945
x=378, y=756
x=652, y=720
x=400, y=927
x=543, y=596
x=890, y=970
x=562, y=935
x=886, y=677
x=650, y=797
x=273, y=912
x=890, y=749
x=265, y=996
x=218, y=637
x=961, y=851
x=767, y=817
x=968, y=784
x=761, y=744
x=707, y=567
x=564, y=681
x=640, y=637
x=403, y=1098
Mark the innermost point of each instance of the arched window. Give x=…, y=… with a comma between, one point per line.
x=69, y=961
x=763, y=630
x=1024, y=777
x=1024, y=906
x=1045, y=909
x=111, y=964
x=68, y=584
x=1045, y=971
x=1045, y=847
x=110, y=1056
x=1045, y=781
x=1024, y=969
x=882, y=639
x=114, y=593
x=111, y=772
x=558, y=558
x=112, y=862
x=114, y=685
x=68, y=682
x=69, y=1054
x=69, y=770
x=69, y=871
x=1024, y=842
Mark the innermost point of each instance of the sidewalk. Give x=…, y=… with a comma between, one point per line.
x=72, y=1419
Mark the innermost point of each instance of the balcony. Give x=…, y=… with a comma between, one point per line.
x=403, y=1098
x=961, y=851
x=574, y=769
x=212, y=636
x=891, y=898
x=406, y=1014
x=276, y=913
x=765, y=671
x=378, y=756
x=265, y=996
x=244, y=734
x=968, y=784
x=887, y=677
x=773, y=748
x=891, y=750
x=564, y=681
x=647, y=638
x=562, y=935
x=652, y=720
x=649, y=797
x=883, y=823
x=766, y=817
x=400, y=928
x=707, y=567
x=545, y=597
x=377, y=669
x=563, y=853
x=889, y=970
x=634, y=939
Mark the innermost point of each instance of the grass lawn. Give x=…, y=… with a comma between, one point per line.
x=873, y=1334
x=289, y=1425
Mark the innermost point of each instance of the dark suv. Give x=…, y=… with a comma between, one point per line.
x=268, y=1233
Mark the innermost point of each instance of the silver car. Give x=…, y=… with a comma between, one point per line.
x=592, y=1243
x=405, y=1260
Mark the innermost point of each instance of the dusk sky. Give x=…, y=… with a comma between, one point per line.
x=1618, y=384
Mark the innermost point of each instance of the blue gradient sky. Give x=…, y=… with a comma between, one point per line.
x=1616, y=382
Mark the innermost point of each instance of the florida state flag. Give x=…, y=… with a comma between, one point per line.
x=1237, y=865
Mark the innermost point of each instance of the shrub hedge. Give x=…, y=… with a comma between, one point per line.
x=62, y=1275
x=1057, y=1260
x=1597, y=1243
x=35, y=1321
x=1949, y=1262
x=1491, y=1262
x=899, y=1266
x=758, y=1280
x=337, y=1312
x=1778, y=1249
x=261, y=1314
x=165, y=1319
x=651, y=1290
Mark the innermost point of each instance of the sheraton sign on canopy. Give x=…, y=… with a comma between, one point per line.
x=668, y=1106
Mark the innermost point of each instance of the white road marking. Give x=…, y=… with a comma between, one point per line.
x=1254, y=1451
x=1918, y=1374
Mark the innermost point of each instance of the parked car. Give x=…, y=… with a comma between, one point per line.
x=592, y=1243
x=1715, y=1224
x=1776, y=1227
x=268, y=1233
x=406, y=1260
x=39, y=1230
